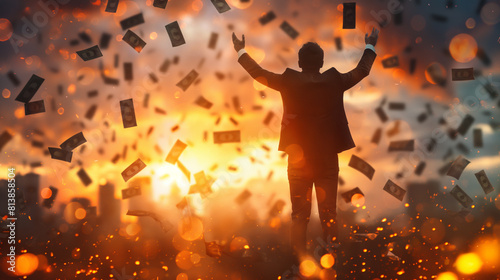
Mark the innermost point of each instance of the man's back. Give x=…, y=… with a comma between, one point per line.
x=313, y=115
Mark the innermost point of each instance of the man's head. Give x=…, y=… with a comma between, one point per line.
x=311, y=56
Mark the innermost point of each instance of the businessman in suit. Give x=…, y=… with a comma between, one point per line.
x=314, y=130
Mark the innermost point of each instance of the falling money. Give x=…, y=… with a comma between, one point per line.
x=134, y=41
x=133, y=169
x=188, y=80
x=231, y=136
x=362, y=166
x=60, y=154
x=30, y=89
x=128, y=113
x=131, y=192
x=73, y=142
x=457, y=167
x=461, y=196
x=394, y=190
x=132, y=21
x=90, y=53
x=160, y=4
x=402, y=145
x=221, y=6
x=390, y=62
x=111, y=6
x=349, y=16
x=484, y=182
x=175, y=152
x=202, y=102
x=34, y=107
x=84, y=177
x=462, y=74
x=288, y=29
x=175, y=34
x=265, y=19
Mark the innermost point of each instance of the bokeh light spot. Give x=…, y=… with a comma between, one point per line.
x=183, y=260
x=447, y=276
x=470, y=23
x=5, y=29
x=468, y=263
x=190, y=228
x=46, y=193
x=307, y=268
x=6, y=93
x=358, y=200
x=327, y=261
x=26, y=264
x=463, y=47
x=80, y=213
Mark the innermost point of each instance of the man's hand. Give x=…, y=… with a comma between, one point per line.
x=372, y=39
x=238, y=45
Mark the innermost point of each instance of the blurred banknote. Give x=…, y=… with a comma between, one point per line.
x=60, y=154
x=131, y=192
x=230, y=136
x=187, y=80
x=133, y=169
x=132, y=21
x=184, y=170
x=461, y=196
x=221, y=6
x=111, y=6
x=397, y=106
x=462, y=74
x=478, y=137
x=390, y=62
x=267, y=17
x=202, y=102
x=160, y=4
x=362, y=166
x=73, y=142
x=457, y=167
x=268, y=118
x=34, y=107
x=30, y=89
x=402, y=145
x=484, y=182
x=84, y=177
x=175, y=34
x=90, y=53
x=128, y=113
x=175, y=152
x=376, y=136
x=212, y=42
x=243, y=196
x=4, y=139
x=381, y=114
x=288, y=29
x=349, y=16
x=465, y=124
x=134, y=41
x=394, y=190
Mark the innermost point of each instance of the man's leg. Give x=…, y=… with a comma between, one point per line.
x=325, y=182
x=300, y=193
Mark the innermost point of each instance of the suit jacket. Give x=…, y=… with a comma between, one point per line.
x=313, y=116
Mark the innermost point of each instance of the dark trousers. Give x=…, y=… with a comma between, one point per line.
x=323, y=172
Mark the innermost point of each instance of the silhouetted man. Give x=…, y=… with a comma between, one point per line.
x=314, y=130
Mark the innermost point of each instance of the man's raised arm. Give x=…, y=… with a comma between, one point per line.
x=362, y=70
x=261, y=75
